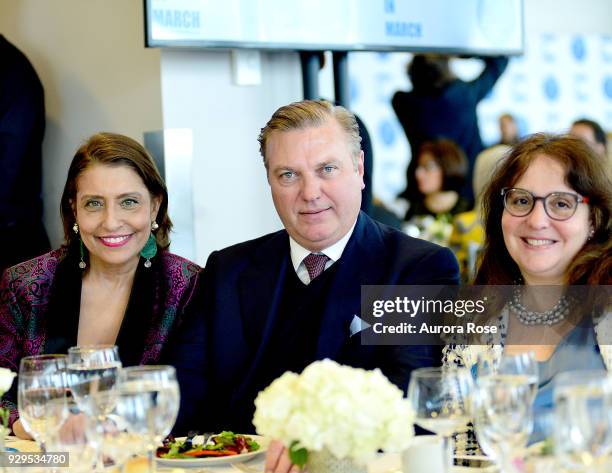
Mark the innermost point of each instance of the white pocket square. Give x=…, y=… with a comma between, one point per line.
x=358, y=325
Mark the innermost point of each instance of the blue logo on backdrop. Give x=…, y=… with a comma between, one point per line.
x=607, y=86
x=551, y=89
x=579, y=48
x=389, y=6
x=386, y=131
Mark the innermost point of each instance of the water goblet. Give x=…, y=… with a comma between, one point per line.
x=441, y=399
x=92, y=376
x=148, y=400
x=42, y=395
x=93, y=372
x=77, y=437
x=583, y=419
x=503, y=405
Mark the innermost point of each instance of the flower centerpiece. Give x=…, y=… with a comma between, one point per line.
x=343, y=412
x=6, y=380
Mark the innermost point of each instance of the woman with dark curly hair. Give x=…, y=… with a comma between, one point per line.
x=114, y=280
x=547, y=228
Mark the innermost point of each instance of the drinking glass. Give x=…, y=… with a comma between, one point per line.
x=503, y=405
x=583, y=419
x=77, y=437
x=441, y=399
x=92, y=376
x=42, y=395
x=148, y=400
x=522, y=365
x=93, y=372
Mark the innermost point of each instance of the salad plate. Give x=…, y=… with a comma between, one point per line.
x=199, y=462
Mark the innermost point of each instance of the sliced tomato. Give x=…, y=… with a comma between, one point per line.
x=209, y=453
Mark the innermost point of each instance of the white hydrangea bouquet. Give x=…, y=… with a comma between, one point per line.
x=6, y=380
x=350, y=412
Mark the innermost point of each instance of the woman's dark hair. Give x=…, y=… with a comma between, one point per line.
x=451, y=160
x=110, y=149
x=586, y=174
x=429, y=72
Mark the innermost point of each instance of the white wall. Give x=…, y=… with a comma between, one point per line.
x=232, y=200
x=96, y=73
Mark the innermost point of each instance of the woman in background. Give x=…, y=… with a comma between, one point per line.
x=467, y=236
x=439, y=175
x=113, y=281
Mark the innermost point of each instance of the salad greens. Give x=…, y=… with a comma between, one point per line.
x=224, y=444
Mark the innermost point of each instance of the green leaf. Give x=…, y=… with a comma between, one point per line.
x=298, y=456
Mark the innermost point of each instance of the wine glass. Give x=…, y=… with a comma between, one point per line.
x=42, y=395
x=93, y=372
x=583, y=418
x=148, y=401
x=441, y=401
x=92, y=376
x=522, y=365
x=77, y=437
x=503, y=405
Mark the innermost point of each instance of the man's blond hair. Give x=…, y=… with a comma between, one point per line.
x=311, y=113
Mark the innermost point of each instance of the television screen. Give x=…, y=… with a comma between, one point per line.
x=484, y=27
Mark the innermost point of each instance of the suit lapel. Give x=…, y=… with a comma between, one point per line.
x=260, y=290
x=359, y=265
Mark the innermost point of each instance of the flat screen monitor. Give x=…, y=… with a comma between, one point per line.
x=485, y=27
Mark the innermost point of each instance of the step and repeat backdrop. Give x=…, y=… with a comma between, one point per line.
x=558, y=79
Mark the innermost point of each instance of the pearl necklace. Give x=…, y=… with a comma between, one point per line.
x=528, y=317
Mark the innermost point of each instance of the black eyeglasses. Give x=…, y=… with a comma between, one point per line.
x=557, y=205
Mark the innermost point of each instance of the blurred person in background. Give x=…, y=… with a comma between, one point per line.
x=442, y=106
x=113, y=281
x=22, y=127
x=508, y=130
x=439, y=175
x=467, y=236
x=592, y=134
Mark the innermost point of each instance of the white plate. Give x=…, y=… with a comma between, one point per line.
x=202, y=462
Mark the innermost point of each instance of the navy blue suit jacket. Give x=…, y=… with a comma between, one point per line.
x=218, y=352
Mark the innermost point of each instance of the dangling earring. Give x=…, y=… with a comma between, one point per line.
x=150, y=249
x=591, y=233
x=82, y=263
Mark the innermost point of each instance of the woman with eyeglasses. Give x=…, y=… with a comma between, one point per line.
x=547, y=221
x=439, y=175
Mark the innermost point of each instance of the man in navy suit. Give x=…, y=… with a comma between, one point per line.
x=283, y=300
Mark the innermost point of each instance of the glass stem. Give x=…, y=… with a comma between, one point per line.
x=151, y=463
x=447, y=451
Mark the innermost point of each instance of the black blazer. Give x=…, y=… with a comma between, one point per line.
x=218, y=352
